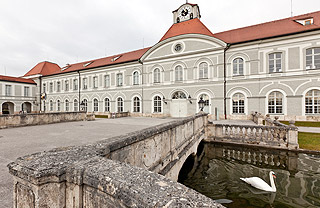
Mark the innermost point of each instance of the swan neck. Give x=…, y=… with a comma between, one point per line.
x=273, y=186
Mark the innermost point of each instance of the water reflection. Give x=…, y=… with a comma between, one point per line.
x=216, y=172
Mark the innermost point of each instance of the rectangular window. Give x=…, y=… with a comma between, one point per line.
x=106, y=81
x=75, y=84
x=95, y=82
x=313, y=58
x=51, y=87
x=119, y=79
x=85, y=83
x=8, y=90
x=67, y=85
x=275, y=62
x=58, y=86
x=44, y=87
x=26, y=91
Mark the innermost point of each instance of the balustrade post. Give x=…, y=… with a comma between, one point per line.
x=292, y=136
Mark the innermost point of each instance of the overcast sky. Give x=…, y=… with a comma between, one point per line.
x=70, y=31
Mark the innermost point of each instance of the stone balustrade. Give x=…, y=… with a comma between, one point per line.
x=283, y=136
x=257, y=118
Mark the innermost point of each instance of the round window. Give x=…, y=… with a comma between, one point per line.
x=178, y=47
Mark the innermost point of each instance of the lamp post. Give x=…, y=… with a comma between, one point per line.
x=201, y=104
x=82, y=106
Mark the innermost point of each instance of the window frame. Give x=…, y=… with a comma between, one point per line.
x=157, y=75
x=26, y=91
x=136, y=104
x=178, y=73
x=136, y=78
x=66, y=85
x=95, y=105
x=274, y=60
x=238, y=106
x=107, y=105
x=58, y=86
x=8, y=90
x=121, y=107
x=312, y=55
x=85, y=83
x=75, y=84
x=313, y=105
x=95, y=82
x=75, y=105
x=203, y=71
x=107, y=80
x=67, y=105
x=275, y=106
x=119, y=77
x=236, y=63
x=155, y=104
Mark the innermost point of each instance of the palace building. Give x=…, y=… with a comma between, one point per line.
x=272, y=68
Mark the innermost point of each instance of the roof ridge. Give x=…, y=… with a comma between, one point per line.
x=273, y=21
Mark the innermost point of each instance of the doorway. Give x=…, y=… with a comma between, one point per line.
x=179, y=105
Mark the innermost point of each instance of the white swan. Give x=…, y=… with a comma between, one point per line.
x=261, y=184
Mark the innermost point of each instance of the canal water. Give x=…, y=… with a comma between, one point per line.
x=217, y=169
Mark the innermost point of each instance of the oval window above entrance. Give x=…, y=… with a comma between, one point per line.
x=179, y=95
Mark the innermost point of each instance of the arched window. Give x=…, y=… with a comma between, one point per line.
x=275, y=103
x=238, y=103
x=203, y=70
x=312, y=102
x=157, y=105
x=136, y=78
x=136, y=104
x=178, y=73
x=156, y=75
x=51, y=105
x=95, y=105
x=85, y=107
x=75, y=105
x=58, y=105
x=275, y=62
x=179, y=95
x=120, y=104
x=238, y=66
x=313, y=58
x=107, y=105
x=67, y=105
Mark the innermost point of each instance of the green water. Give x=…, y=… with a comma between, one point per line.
x=217, y=170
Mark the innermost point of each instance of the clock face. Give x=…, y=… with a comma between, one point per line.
x=184, y=12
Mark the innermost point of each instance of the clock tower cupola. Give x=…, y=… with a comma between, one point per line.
x=186, y=12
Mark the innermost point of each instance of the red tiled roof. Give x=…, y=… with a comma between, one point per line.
x=16, y=79
x=44, y=68
x=117, y=59
x=270, y=29
x=194, y=26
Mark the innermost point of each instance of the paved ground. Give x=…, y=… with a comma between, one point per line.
x=18, y=142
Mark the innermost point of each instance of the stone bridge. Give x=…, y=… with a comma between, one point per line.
x=118, y=172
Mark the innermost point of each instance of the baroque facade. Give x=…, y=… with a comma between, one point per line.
x=272, y=68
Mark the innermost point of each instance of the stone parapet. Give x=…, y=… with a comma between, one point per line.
x=18, y=120
x=85, y=176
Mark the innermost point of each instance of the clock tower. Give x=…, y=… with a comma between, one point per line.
x=186, y=12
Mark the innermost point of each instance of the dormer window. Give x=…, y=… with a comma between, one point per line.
x=66, y=67
x=87, y=64
x=305, y=22
x=115, y=58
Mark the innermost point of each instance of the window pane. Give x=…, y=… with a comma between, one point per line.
x=316, y=50
x=309, y=51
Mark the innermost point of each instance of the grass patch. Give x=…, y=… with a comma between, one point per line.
x=101, y=116
x=303, y=123
x=310, y=141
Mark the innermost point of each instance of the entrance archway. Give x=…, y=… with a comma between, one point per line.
x=179, y=104
x=7, y=108
x=26, y=107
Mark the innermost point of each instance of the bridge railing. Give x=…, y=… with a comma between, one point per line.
x=281, y=136
x=115, y=172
